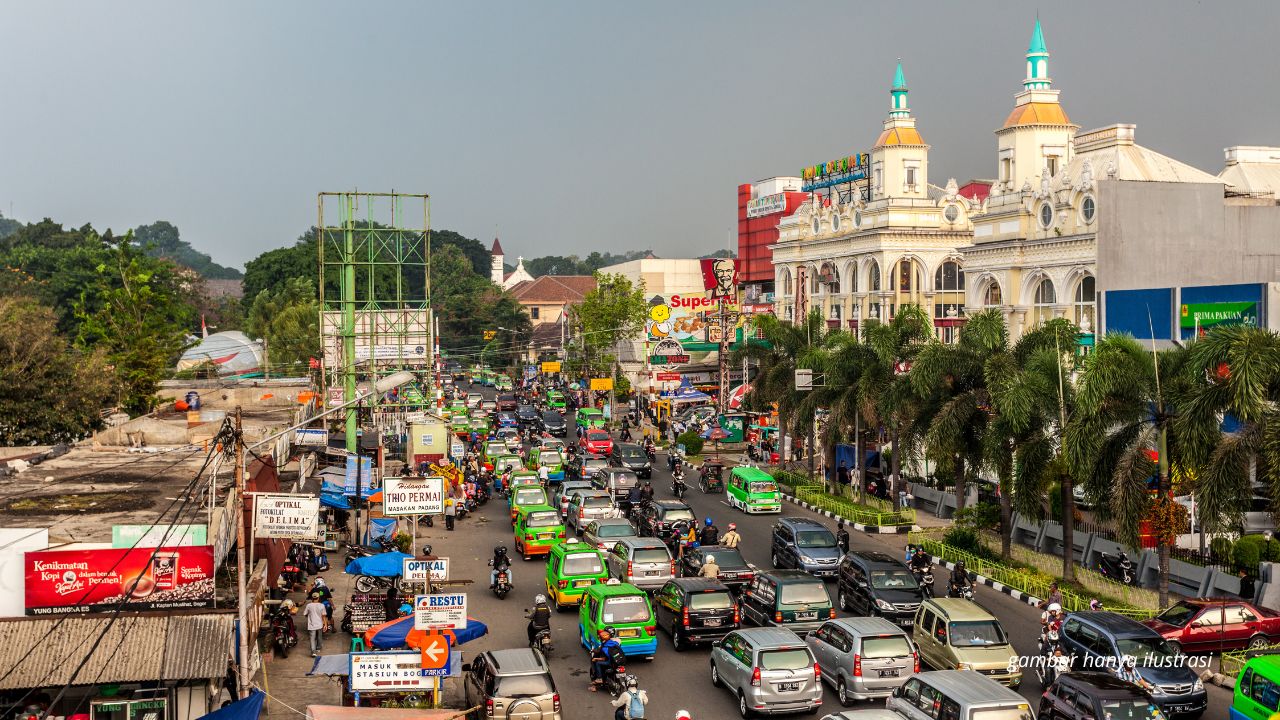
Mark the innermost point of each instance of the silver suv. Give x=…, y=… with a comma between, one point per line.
x=643, y=562
x=511, y=685
x=769, y=670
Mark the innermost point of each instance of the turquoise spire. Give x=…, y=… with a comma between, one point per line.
x=898, y=108
x=1037, y=61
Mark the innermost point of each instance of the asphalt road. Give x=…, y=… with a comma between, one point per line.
x=678, y=680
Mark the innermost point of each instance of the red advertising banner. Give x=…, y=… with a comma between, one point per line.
x=66, y=581
x=720, y=278
x=668, y=376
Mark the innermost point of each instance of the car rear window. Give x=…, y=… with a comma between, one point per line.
x=615, y=531
x=545, y=518
x=515, y=686
x=549, y=458
x=677, y=514
x=886, y=646
x=807, y=593
x=728, y=559
x=626, y=609
x=596, y=502
x=652, y=555
x=711, y=601
x=582, y=564
x=795, y=659
x=1179, y=614
x=530, y=496
x=1129, y=710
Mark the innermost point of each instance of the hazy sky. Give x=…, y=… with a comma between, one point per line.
x=569, y=127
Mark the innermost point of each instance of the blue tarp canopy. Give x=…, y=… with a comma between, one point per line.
x=380, y=528
x=686, y=393
x=330, y=487
x=246, y=709
x=395, y=634
x=335, y=500
x=389, y=564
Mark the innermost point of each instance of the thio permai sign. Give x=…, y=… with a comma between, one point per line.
x=296, y=517
x=413, y=496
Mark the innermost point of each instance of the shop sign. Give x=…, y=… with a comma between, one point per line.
x=388, y=672
x=766, y=205
x=413, y=496
x=668, y=376
x=667, y=346
x=366, y=476
x=440, y=611
x=601, y=383
x=148, y=709
x=551, y=366
x=149, y=536
x=68, y=581
x=669, y=359
x=311, y=437
x=1220, y=314
x=296, y=517
x=436, y=570
x=840, y=170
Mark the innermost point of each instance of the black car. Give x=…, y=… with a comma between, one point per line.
x=553, y=423
x=804, y=544
x=791, y=598
x=734, y=571
x=528, y=417
x=1091, y=694
x=631, y=457
x=657, y=518
x=1098, y=641
x=875, y=583
x=696, y=610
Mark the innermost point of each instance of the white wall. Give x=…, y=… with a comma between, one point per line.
x=15, y=543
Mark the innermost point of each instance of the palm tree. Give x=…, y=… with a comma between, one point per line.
x=842, y=361
x=884, y=386
x=1125, y=409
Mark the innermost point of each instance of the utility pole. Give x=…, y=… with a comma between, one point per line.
x=241, y=591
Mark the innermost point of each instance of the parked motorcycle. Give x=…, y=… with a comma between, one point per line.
x=347, y=625
x=370, y=583
x=283, y=633
x=1117, y=568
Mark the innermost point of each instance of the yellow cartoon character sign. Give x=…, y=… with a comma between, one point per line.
x=659, y=319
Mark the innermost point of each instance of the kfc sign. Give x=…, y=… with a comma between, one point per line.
x=163, y=578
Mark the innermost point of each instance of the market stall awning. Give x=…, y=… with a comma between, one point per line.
x=400, y=633
x=247, y=709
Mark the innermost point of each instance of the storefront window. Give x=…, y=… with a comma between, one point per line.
x=1045, y=298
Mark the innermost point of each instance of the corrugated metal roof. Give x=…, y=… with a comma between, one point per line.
x=136, y=648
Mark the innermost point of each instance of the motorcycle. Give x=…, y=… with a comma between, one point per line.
x=964, y=591
x=924, y=578
x=283, y=633
x=1047, y=669
x=615, y=677
x=1117, y=568
x=678, y=487
x=347, y=625
x=502, y=585
x=542, y=641
x=370, y=583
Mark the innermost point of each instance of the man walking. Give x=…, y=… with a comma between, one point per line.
x=314, y=612
x=450, y=513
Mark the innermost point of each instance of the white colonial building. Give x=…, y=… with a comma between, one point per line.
x=856, y=259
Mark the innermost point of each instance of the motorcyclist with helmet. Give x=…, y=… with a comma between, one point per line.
x=959, y=581
x=731, y=538
x=500, y=562
x=710, y=534
x=539, y=617
x=603, y=657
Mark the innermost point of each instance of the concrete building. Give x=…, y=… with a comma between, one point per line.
x=761, y=206
x=546, y=299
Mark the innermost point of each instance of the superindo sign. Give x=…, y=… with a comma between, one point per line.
x=68, y=581
x=440, y=611
x=1207, y=315
x=388, y=672
x=413, y=496
x=296, y=517
x=436, y=570
x=766, y=205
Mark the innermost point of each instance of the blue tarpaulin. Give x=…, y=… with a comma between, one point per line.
x=330, y=487
x=380, y=528
x=335, y=500
x=686, y=392
x=394, y=634
x=246, y=709
x=389, y=564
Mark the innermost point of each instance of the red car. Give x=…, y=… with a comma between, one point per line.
x=596, y=442
x=1216, y=624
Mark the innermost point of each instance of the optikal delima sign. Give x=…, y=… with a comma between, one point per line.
x=296, y=517
x=436, y=570
x=766, y=205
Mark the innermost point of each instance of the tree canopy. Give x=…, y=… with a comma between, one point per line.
x=161, y=239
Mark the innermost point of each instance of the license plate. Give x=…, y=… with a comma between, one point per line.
x=581, y=583
x=788, y=687
x=807, y=616
x=652, y=573
x=628, y=633
x=712, y=622
x=892, y=672
x=908, y=622
x=1180, y=708
x=545, y=536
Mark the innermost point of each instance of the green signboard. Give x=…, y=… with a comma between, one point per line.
x=734, y=425
x=1210, y=315
x=128, y=536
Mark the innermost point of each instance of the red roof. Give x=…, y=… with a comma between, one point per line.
x=554, y=289
x=497, y=248
x=977, y=190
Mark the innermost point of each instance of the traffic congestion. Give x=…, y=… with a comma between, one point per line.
x=635, y=571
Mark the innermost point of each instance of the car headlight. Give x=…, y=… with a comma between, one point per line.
x=963, y=666
x=1197, y=686
x=883, y=605
x=648, y=466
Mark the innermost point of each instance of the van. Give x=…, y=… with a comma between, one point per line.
x=863, y=657
x=537, y=529
x=643, y=562
x=753, y=490
x=952, y=633
x=541, y=457
x=626, y=609
x=768, y=670
x=957, y=695
x=1257, y=693
x=788, y=598
x=572, y=567
x=876, y=583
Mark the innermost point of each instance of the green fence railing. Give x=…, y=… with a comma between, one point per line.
x=1232, y=662
x=1027, y=581
x=878, y=516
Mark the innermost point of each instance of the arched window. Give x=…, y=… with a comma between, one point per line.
x=1043, y=301
x=948, y=296
x=851, y=276
x=815, y=281
x=1086, y=304
x=873, y=276
x=992, y=297
x=831, y=277
x=906, y=278
x=786, y=282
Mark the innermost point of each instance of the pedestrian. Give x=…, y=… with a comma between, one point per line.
x=315, y=614
x=450, y=513
x=391, y=603
x=842, y=473
x=630, y=702
x=1246, y=586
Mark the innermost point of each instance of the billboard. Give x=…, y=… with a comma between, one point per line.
x=148, y=536
x=720, y=278
x=295, y=517
x=766, y=205
x=1218, y=314
x=69, y=581
x=413, y=496
x=841, y=170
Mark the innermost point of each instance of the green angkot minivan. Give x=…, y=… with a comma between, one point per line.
x=753, y=490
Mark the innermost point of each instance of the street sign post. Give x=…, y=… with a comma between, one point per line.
x=435, y=655
x=440, y=611
x=436, y=570
x=396, y=671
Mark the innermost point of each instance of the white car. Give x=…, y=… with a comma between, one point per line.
x=474, y=400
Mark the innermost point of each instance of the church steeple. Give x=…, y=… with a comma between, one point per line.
x=898, y=107
x=1037, y=61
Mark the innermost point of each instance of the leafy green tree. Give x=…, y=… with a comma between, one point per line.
x=467, y=304
x=612, y=312
x=273, y=269
x=161, y=239
x=49, y=391
x=62, y=262
x=137, y=315
x=475, y=252
x=288, y=321
x=8, y=226
x=886, y=386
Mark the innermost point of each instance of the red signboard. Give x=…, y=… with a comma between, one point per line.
x=60, y=581
x=666, y=376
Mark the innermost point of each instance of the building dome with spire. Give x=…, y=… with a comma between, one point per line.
x=900, y=128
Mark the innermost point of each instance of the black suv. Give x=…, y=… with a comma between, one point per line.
x=1089, y=694
x=658, y=517
x=631, y=457
x=875, y=583
x=695, y=610
x=804, y=544
x=527, y=416
x=793, y=599
x=553, y=423
x=734, y=570
x=1098, y=641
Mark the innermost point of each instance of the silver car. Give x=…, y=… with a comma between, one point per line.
x=862, y=657
x=643, y=562
x=769, y=671
x=603, y=533
x=588, y=505
x=564, y=491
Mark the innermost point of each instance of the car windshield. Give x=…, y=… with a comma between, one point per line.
x=553, y=419
x=596, y=502
x=718, y=600
x=977, y=633
x=762, y=487
x=625, y=609
x=1131, y=710
x=806, y=593
x=796, y=659
x=514, y=686
x=1145, y=648
x=728, y=558
x=1178, y=615
x=530, y=496
x=582, y=564
x=615, y=531
x=815, y=539
x=597, y=436
x=632, y=453
x=677, y=514
x=652, y=555
x=549, y=459
x=886, y=646
x=545, y=518
x=896, y=579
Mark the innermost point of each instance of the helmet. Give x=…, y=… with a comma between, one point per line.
x=320, y=582
x=632, y=681
x=1054, y=607
x=406, y=608
x=607, y=630
x=711, y=558
x=960, y=565
x=708, y=521
x=539, y=599
x=733, y=526
x=500, y=550
x=1095, y=604
x=426, y=549
x=683, y=715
